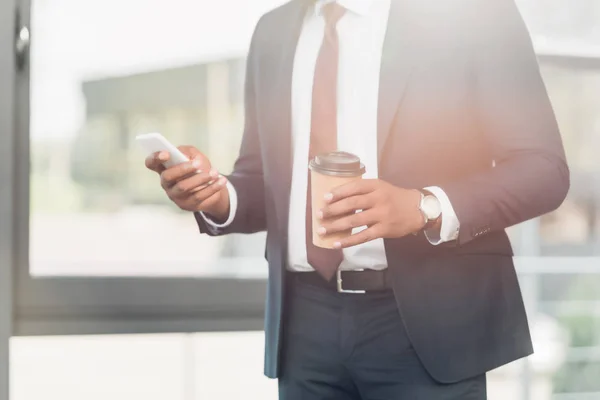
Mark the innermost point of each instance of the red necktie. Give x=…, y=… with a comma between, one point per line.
x=323, y=133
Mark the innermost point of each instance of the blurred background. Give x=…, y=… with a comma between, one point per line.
x=103, y=71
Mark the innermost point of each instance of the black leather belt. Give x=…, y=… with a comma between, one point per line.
x=356, y=281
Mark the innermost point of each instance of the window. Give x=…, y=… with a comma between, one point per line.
x=89, y=244
x=150, y=367
x=562, y=22
x=102, y=72
x=567, y=38
x=574, y=229
x=95, y=238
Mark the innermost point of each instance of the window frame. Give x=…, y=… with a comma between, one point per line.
x=7, y=63
x=81, y=305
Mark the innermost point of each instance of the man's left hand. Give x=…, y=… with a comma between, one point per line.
x=386, y=210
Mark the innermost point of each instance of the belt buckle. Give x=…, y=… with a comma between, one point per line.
x=340, y=288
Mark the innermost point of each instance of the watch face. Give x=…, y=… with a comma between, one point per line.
x=432, y=207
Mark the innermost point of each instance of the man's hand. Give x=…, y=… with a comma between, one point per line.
x=387, y=211
x=193, y=186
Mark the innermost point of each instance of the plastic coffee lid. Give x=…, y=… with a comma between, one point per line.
x=338, y=163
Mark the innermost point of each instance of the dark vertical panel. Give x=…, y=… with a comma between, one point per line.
x=7, y=77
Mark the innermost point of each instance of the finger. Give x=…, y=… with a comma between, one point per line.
x=210, y=190
x=194, y=154
x=361, y=237
x=191, y=152
x=155, y=161
x=346, y=206
x=174, y=174
x=193, y=183
x=354, y=220
x=354, y=188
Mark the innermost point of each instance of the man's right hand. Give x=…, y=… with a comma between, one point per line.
x=192, y=186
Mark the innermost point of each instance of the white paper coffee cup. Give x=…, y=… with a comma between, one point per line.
x=329, y=171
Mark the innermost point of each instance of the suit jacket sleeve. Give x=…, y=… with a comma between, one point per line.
x=530, y=176
x=247, y=175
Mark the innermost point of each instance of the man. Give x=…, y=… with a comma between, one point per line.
x=444, y=103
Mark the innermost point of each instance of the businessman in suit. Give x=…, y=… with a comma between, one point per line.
x=444, y=104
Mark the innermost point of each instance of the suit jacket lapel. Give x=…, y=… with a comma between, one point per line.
x=397, y=63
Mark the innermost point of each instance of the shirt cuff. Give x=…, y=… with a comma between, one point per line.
x=450, y=224
x=232, y=209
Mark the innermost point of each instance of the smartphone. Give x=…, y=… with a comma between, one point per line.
x=155, y=142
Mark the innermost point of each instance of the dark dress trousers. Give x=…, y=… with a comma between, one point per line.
x=462, y=106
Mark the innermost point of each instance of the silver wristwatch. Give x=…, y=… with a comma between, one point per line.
x=430, y=208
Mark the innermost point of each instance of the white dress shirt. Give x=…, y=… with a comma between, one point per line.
x=361, y=33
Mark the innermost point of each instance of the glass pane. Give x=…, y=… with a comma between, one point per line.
x=570, y=29
x=181, y=72
x=149, y=367
x=563, y=304
x=102, y=72
x=566, y=328
x=203, y=366
x=574, y=229
x=562, y=22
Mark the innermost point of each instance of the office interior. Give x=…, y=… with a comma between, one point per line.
x=108, y=291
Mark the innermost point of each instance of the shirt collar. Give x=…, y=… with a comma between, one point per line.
x=359, y=7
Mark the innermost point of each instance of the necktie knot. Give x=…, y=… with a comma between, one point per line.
x=332, y=13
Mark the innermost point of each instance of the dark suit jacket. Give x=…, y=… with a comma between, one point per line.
x=461, y=106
